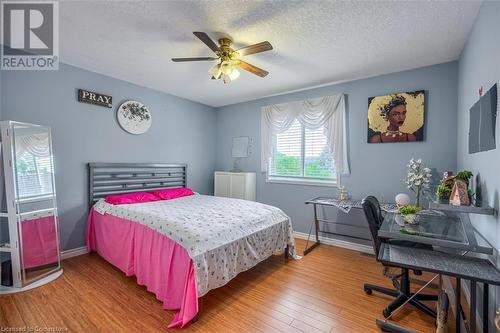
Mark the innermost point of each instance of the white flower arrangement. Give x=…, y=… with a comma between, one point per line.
x=418, y=178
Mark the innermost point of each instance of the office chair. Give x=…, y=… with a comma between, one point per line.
x=401, y=282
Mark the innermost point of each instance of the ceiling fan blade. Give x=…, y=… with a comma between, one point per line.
x=207, y=40
x=251, y=68
x=194, y=59
x=256, y=48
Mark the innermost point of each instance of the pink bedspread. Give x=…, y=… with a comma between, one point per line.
x=158, y=263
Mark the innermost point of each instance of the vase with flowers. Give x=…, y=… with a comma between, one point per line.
x=418, y=179
x=409, y=213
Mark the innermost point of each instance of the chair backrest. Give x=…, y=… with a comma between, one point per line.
x=373, y=214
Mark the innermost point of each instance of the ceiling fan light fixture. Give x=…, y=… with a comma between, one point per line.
x=234, y=74
x=215, y=71
x=225, y=70
x=227, y=67
x=228, y=58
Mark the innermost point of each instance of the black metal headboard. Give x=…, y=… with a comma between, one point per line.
x=117, y=178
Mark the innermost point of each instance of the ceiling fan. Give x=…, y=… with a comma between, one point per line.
x=228, y=58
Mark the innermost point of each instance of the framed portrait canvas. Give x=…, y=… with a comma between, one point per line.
x=396, y=117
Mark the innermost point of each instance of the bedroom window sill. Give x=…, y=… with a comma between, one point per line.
x=303, y=181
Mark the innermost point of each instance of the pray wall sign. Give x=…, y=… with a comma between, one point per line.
x=91, y=97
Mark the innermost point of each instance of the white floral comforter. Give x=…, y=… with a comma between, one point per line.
x=223, y=236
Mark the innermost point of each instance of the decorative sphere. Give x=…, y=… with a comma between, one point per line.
x=402, y=199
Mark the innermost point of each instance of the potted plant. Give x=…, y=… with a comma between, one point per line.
x=409, y=213
x=443, y=193
x=464, y=175
x=418, y=179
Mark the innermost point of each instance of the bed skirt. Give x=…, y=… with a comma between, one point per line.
x=158, y=263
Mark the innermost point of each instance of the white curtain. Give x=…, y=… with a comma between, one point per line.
x=313, y=113
x=35, y=144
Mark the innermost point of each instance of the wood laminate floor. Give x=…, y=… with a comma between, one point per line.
x=323, y=292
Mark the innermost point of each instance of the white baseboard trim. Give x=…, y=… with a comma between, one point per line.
x=336, y=242
x=74, y=252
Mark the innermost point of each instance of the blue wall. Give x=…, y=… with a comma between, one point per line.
x=182, y=131
x=377, y=169
x=479, y=65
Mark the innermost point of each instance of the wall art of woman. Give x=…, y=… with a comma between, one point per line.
x=396, y=117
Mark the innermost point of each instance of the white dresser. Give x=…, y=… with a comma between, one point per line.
x=239, y=185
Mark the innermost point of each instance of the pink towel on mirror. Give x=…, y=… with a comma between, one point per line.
x=39, y=241
x=158, y=263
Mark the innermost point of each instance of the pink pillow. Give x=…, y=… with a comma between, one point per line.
x=130, y=198
x=172, y=193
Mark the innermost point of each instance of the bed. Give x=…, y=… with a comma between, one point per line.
x=180, y=249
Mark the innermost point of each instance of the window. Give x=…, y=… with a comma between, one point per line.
x=34, y=175
x=301, y=155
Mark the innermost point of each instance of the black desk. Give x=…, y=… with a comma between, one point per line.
x=453, y=265
x=450, y=234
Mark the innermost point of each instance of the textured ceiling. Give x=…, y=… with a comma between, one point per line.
x=315, y=42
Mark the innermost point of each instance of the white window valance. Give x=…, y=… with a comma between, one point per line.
x=34, y=144
x=328, y=111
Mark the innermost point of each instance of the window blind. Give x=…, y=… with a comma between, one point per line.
x=287, y=156
x=302, y=153
x=318, y=160
x=34, y=175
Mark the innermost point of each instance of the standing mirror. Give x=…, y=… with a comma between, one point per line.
x=35, y=201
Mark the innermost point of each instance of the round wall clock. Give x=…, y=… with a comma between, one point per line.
x=134, y=117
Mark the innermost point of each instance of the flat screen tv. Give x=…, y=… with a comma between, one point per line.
x=482, y=122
